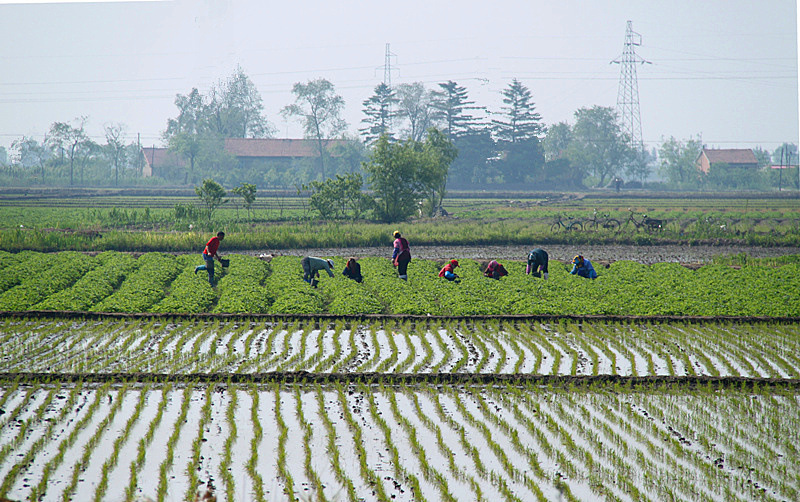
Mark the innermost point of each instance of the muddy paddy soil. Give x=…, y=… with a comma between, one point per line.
x=597, y=253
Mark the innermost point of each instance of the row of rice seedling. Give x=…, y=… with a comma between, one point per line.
x=476, y=442
x=438, y=346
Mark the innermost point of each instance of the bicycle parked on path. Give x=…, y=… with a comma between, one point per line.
x=646, y=222
x=566, y=225
x=604, y=222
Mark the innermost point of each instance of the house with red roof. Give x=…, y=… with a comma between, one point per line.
x=249, y=152
x=732, y=157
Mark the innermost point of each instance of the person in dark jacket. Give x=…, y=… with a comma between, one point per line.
x=209, y=253
x=583, y=268
x=448, y=271
x=401, y=255
x=352, y=270
x=495, y=270
x=537, y=263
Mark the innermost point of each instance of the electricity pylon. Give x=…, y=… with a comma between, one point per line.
x=628, y=92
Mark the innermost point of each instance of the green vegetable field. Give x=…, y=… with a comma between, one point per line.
x=163, y=283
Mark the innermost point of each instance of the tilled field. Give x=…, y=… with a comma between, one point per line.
x=151, y=408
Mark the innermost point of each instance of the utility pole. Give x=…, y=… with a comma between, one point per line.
x=628, y=91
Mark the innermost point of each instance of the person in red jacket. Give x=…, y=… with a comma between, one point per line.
x=495, y=271
x=448, y=271
x=401, y=255
x=209, y=253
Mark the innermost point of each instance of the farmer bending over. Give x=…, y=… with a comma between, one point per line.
x=311, y=267
x=448, y=271
x=583, y=268
x=352, y=270
x=209, y=253
x=495, y=271
x=537, y=263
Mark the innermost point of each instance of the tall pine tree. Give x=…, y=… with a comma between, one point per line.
x=379, y=114
x=452, y=103
x=519, y=120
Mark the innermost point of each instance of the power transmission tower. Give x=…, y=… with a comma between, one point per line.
x=387, y=67
x=628, y=92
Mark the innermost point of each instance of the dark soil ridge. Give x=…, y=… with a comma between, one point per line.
x=367, y=318
x=303, y=377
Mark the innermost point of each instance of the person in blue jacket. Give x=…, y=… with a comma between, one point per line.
x=583, y=268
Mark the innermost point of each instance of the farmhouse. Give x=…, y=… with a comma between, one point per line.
x=732, y=157
x=249, y=152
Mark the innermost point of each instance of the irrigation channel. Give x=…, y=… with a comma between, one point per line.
x=159, y=407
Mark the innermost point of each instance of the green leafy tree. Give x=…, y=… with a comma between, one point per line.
x=30, y=153
x=115, y=147
x=234, y=108
x=556, y=141
x=415, y=106
x=401, y=174
x=678, y=161
x=212, y=194
x=68, y=138
x=339, y=197
x=473, y=166
x=438, y=152
x=378, y=113
x=319, y=108
x=247, y=191
x=185, y=133
x=598, y=144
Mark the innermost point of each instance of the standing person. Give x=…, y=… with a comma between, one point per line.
x=537, y=263
x=209, y=253
x=495, y=270
x=448, y=271
x=583, y=268
x=401, y=255
x=352, y=270
x=311, y=267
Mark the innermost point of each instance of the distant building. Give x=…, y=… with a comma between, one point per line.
x=251, y=153
x=732, y=157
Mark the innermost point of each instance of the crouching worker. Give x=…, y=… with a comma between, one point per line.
x=583, y=268
x=311, y=267
x=495, y=271
x=352, y=270
x=448, y=271
x=209, y=253
x=537, y=263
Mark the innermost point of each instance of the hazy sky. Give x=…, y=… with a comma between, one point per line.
x=723, y=69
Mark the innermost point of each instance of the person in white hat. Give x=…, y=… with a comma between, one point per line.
x=311, y=267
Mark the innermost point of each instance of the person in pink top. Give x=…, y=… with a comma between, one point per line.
x=401, y=255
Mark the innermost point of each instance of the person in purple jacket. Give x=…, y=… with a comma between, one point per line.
x=583, y=268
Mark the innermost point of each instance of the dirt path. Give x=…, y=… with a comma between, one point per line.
x=597, y=253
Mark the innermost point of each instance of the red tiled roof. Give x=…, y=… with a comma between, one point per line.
x=161, y=157
x=730, y=156
x=270, y=147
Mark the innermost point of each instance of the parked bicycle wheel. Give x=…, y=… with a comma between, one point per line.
x=612, y=225
x=575, y=225
x=555, y=226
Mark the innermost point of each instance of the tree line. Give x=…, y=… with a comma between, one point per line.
x=510, y=147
